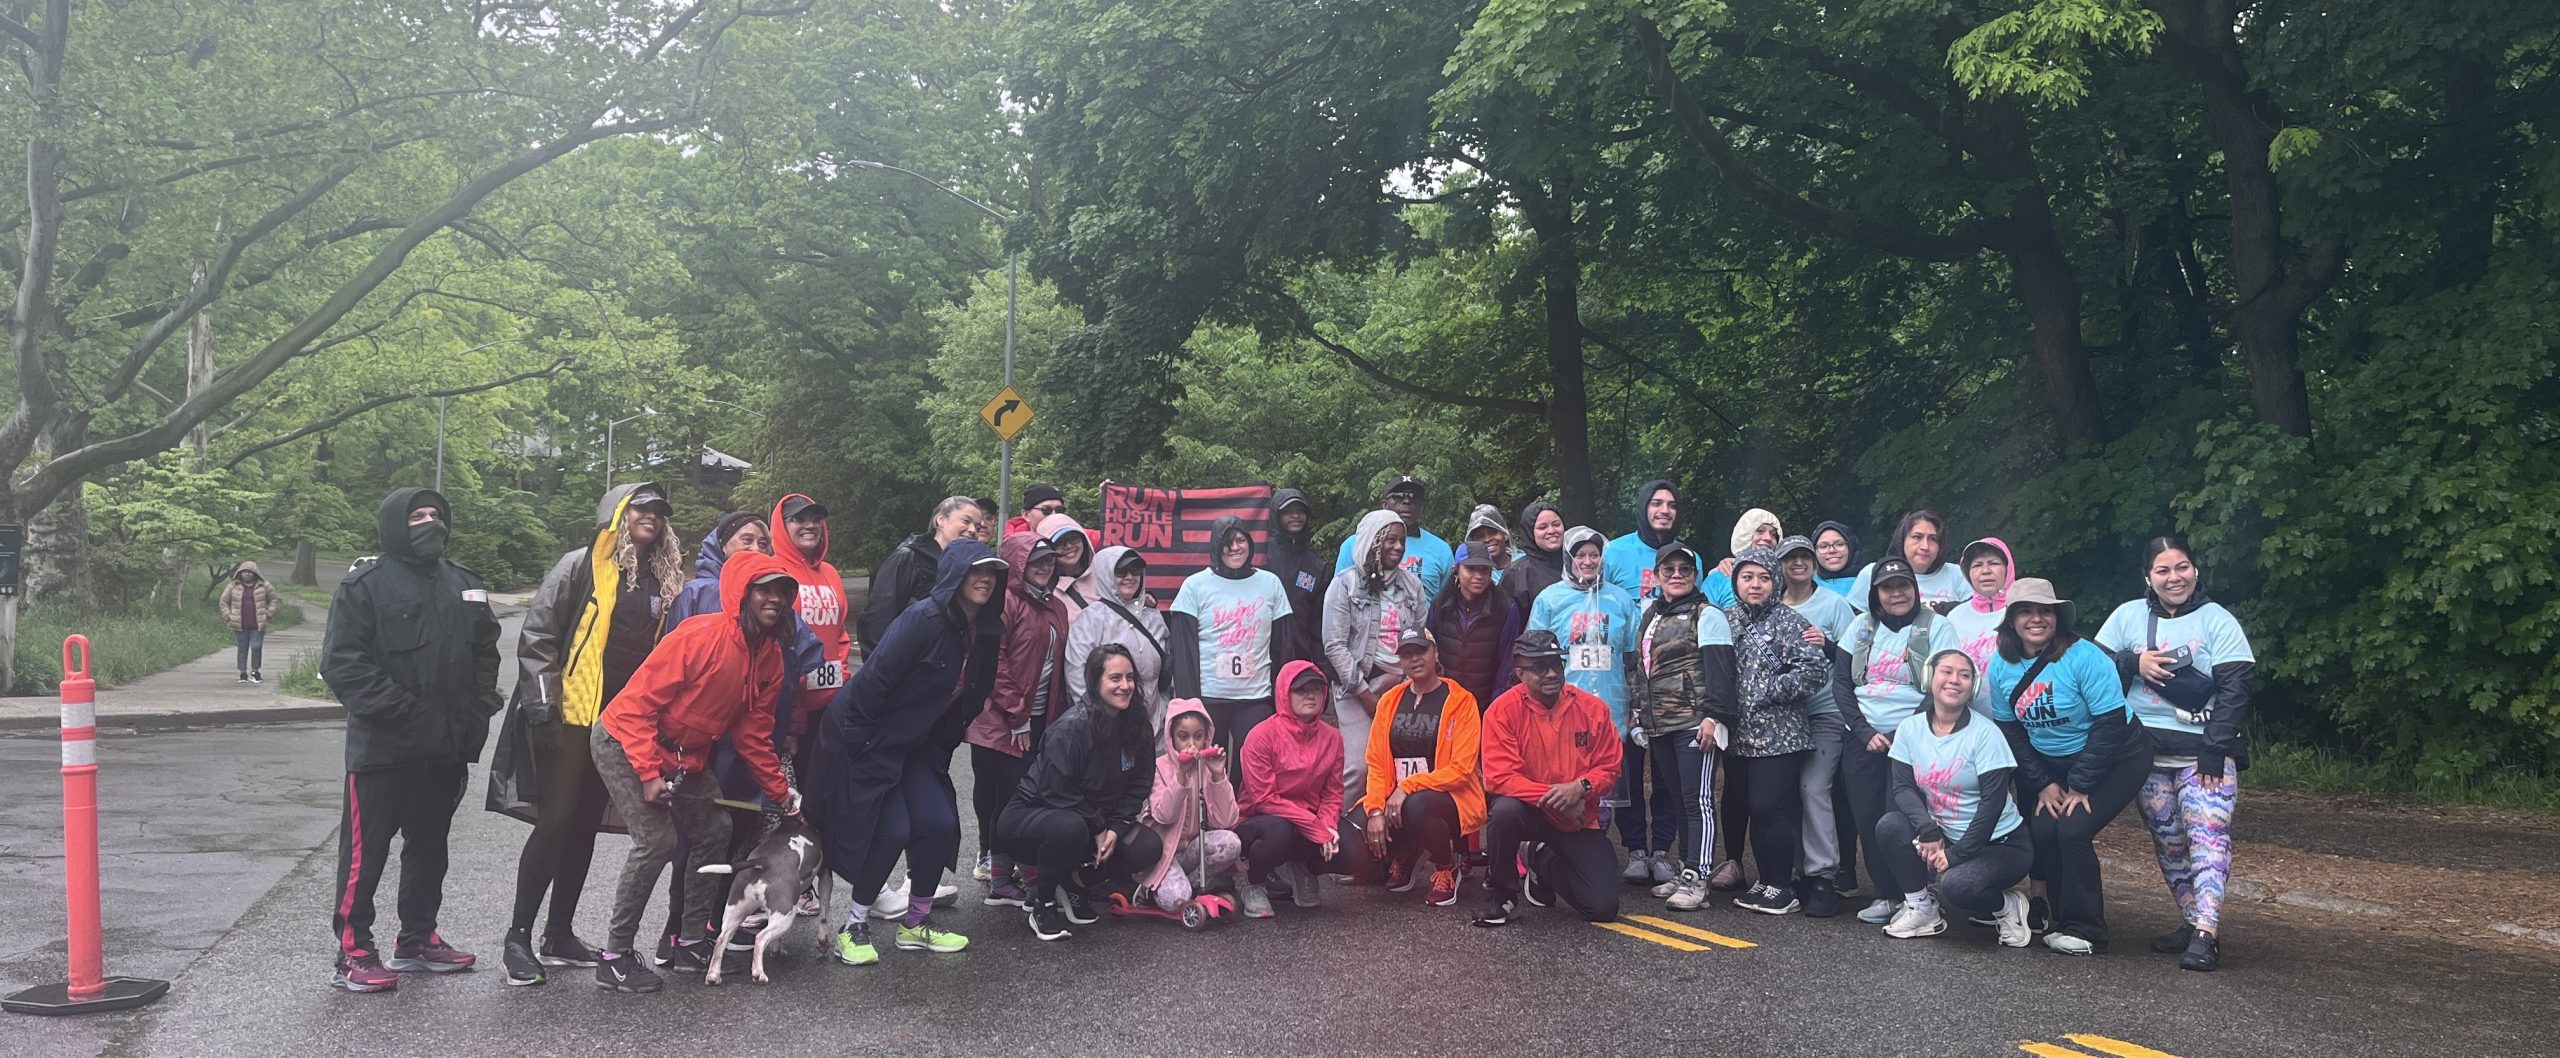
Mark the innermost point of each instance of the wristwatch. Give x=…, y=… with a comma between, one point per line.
x=1586, y=787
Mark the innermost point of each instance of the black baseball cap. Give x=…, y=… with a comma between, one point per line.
x=647, y=497
x=1893, y=568
x=1471, y=555
x=803, y=507
x=1411, y=638
x=1537, y=643
x=1405, y=483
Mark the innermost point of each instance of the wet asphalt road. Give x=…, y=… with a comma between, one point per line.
x=224, y=840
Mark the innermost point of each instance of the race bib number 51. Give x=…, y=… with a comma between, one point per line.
x=826, y=677
x=1589, y=657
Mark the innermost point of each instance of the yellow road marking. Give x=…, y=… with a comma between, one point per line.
x=2051, y=1050
x=1711, y=938
x=2113, y=1046
x=1667, y=942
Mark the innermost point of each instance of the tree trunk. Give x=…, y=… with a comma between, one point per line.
x=2466, y=157
x=306, y=564
x=57, y=560
x=2043, y=277
x=1568, y=403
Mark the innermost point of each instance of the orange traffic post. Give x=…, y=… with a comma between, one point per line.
x=89, y=990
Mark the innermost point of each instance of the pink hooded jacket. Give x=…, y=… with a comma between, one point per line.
x=1190, y=796
x=1992, y=603
x=1293, y=767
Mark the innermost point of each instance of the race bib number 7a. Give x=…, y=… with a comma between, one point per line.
x=827, y=676
x=1589, y=657
x=1408, y=767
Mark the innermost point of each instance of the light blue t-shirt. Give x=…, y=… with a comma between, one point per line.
x=1831, y=614
x=1235, y=616
x=1978, y=635
x=2057, y=710
x=1840, y=584
x=1950, y=770
x=1891, y=691
x=2210, y=632
x=1719, y=588
x=1946, y=584
x=1428, y=556
x=1598, y=630
x=1628, y=563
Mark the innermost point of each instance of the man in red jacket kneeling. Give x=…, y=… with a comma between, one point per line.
x=716, y=674
x=1550, y=751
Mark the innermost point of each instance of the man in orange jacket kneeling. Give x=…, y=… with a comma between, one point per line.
x=1550, y=751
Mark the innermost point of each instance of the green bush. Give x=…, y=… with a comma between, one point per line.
x=124, y=647
x=302, y=678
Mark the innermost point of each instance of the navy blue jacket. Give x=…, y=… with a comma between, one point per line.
x=927, y=678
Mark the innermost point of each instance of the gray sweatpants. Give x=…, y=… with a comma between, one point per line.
x=653, y=828
x=1820, y=841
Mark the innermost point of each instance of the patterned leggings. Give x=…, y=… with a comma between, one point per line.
x=1205, y=863
x=2191, y=829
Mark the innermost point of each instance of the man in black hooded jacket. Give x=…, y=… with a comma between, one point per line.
x=1304, y=574
x=412, y=651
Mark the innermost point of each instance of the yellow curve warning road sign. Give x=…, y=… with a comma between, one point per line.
x=1007, y=414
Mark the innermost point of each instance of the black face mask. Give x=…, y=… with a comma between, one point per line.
x=427, y=539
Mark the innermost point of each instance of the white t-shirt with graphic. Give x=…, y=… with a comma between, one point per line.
x=2210, y=633
x=1235, y=616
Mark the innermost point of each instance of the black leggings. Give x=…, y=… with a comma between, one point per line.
x=1270, y=841
x=1427, y=826
x=2066, y=853
x=563, y=842
x=1733, y=811
x=1059, y=845
x=1869, y=777
x=1234, y=718
x=1774, y=786
x=994, y=774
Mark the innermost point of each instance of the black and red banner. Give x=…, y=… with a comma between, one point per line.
x=1170, y=527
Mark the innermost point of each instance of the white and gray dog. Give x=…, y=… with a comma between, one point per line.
x=784, y=865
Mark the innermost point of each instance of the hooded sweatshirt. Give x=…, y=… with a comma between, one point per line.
x=411, y=649
x=929, y=678
x=1305, y=574
x=902, y=578
x=1361, y=622
x=1534, y=570
x=1293, y=767
x=1096, y=763
x=1426, y=556
x=1976, y=621
x=1186, y=801
x=800, y=656
x=1628, y=561
x=1529, y=746
x=1454, y=734
x=1132, y=622
x=708, y=679
x=563, y=672
x=1236, y=611
x=1838, y=580
x=1079, y=586
x=1718, y=584
x=1031, y=673
x=1775, y=671
x=1596, y=622
x=1684, y=661
x=821, y=608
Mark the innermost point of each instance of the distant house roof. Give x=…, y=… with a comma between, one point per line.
x=713, y=457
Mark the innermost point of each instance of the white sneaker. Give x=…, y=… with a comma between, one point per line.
x=1688, y=892
x=2012, y=919
x=1880, y=912
x=1254, y=901
x=986, y=869
x=1664, y=891
x=2068, y=944
x=1913, y=922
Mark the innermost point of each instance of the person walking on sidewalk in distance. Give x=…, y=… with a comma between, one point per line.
x=1030, y=689
x=412, y=651
x=800, y=544
x=1888, y=646
x=1239, y=616
x=1292, y=799
x=739, y=532
x=1777, y=670
x=1368, y=607
x=881, y=785
x=2186, y=664
x=1073, y=821
x=1683, y=710
x=1038, y=502
x=1595, y=623
x=1541, y=560
x=596, y=617
x=1550, y=750
x=248, y=606
x=2081, y=757
x=1825, y=871
x=1426, y=556
x=1953, y=835
x=715, y=676
x=1629, y=558
x=906, y=575
x=1303, y=573
x=1425, y=792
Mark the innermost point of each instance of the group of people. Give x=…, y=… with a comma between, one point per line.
x=1405, y=715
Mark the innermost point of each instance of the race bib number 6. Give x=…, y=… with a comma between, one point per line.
x=1232, y=663
x=827, y=676
x=1589, y=657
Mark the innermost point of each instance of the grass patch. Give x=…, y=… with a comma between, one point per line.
x=125, y=647
x=2316, y=770
x=312, y=594
x=302, y=678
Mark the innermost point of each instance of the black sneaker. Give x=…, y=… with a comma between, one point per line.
x=1536, y=889
x=666, y=949
x=2204, y=953
x=2039, y=915
x=1497, y=913
x=622, y=971
x=255, y=678
x=565, y=949
x=2175, y=941
x=1820, y=899
x=1768, y=900
x=1047, y=922
x=687, y=957
x=522, y=967
x=1078, y=907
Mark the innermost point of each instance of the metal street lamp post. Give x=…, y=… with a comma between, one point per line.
x=608, y=442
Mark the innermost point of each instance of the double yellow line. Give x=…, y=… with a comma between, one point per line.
x=2100, y=1044
x=1673, y=942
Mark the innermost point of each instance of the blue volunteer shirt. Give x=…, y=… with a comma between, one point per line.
x=1428, y=556
x=2057, y=710
x=1950, y=770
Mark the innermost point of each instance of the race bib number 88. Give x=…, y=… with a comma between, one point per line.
x=827, y=676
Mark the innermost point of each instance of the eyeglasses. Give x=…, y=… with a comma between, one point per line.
x=1047, y=509
x=1543, y=666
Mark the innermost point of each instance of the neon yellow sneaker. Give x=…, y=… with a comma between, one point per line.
x=922, y=936
x=853, y=945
